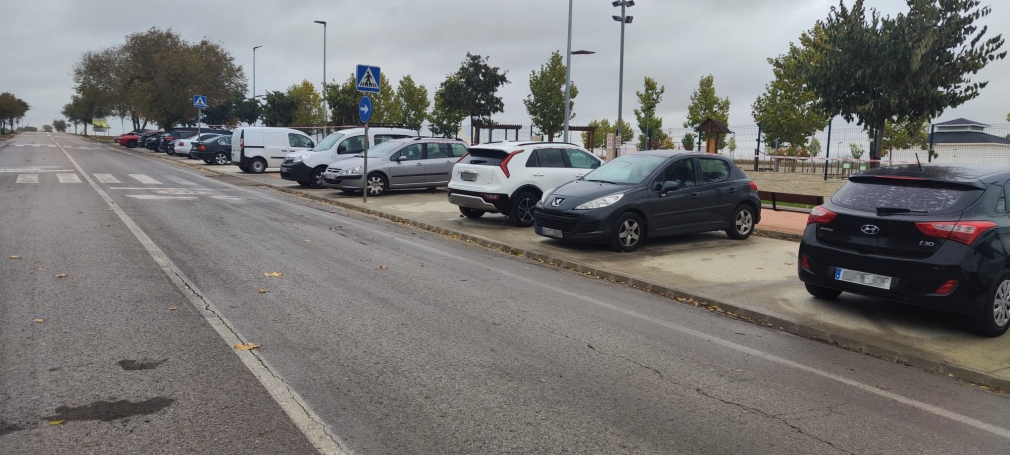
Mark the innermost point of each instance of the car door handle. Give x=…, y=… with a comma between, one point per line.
x=419, y=164
x=538, y=175
x=731, y=191
x=695, y=196
x=448, y=162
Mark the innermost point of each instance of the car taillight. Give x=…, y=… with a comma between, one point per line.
x=464, y=156
x=181, y=143
x=753, y=186
x=947, y=287
x=961, y=231
x=504, y=163
x=805, y=262
x=201, y=148
x=820, y=214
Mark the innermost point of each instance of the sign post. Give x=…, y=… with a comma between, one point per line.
x=199, y=102
x=369, y=80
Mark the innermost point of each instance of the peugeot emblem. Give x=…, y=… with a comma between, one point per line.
x=870, y=229
x=557, y=201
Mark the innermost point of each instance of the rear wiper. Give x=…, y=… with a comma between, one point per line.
x=894, y=210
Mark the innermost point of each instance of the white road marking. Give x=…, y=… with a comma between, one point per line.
x=68, y=178
x=145, y=179
x=28, y=178
x=297, y=409
x=179, y=180
x=158, y=198
x=227, y=198
x=107, y=178
x=145, y=188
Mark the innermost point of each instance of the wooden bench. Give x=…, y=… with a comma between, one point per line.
x=790, y=198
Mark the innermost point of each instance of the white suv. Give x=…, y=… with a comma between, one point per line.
x=510, y=177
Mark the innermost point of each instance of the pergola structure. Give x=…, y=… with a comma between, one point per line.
x=478, y=126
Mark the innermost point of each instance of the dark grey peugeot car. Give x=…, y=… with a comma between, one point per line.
x=934, y=236
x=651, y=194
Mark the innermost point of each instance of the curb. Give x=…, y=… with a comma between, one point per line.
x=697, y=300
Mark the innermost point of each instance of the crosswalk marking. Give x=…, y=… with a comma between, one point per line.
x=68, y=178
x=179, y=180
x=156, y=197
x=28, y=178
x=107, y=178
x=145, y=179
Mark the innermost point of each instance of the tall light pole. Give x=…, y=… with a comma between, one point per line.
x=623, y=19
x=254, y=75
x=568, y=73
x=324, y=74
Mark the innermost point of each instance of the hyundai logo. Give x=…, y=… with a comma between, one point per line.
x=870, y=229
x=557, y=201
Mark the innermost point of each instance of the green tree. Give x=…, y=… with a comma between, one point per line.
x=546, y=101
x=11, y=109
x=60, y=126
x=732, y=145
x=910, y=67
x=411, y=103
x=47, y=128
x=904, y=135
x=279, y=109
x=814, y=148
x=308, y=104
x=604, y=128
x=384, y=106
x=705, y=104
x=343, y=101
x=648, y=123
x=80, y=110
x=688, y=141
x=476, y=92
x=445, y=120
x=856, y=150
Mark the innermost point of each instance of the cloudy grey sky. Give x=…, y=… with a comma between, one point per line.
x=673, y=41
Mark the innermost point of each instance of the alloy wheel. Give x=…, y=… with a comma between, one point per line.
x=744, y=222
x=629, y=233
x=376, y=185
x=526, y=210
x=221, y=159
x=1001, y=304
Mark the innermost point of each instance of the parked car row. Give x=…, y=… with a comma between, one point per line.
x=181, y=141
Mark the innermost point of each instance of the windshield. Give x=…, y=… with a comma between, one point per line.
x=382, y=149
x=327, y=142
x=628, y=169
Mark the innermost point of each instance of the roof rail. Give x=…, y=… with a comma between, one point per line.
x=545, y=142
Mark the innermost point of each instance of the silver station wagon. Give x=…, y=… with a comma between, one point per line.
x=398, y=164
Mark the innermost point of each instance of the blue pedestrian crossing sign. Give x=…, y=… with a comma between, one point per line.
x=200, y=101
x=369, y=79
x=365, y=109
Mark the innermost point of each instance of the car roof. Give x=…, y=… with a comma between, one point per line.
x=507, y=145
x=426, y=139
x=938, y=172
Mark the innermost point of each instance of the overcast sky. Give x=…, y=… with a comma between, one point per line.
x=673, y=41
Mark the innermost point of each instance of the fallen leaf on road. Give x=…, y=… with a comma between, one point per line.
x=56, y=422
x=80, y=212
x=249, y=198
x=273, y=274
x=263, y=291
x=247, y=346
x=789, y=263
x=62, y=275
x=760, y=268
x=718, y=254
x=38, y=320
x=173, y=308
x=542, y=379
x=111, y=209
x=15, y=257
x=40, y=270
x=382, y=267
x=307, y=241
x=197, y=243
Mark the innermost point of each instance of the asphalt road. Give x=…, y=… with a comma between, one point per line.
x=379, y=338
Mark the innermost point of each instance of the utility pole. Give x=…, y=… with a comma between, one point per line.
x=623, y=19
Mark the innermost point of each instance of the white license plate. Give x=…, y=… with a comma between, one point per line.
x=863, y=278
x=468, y=176
x=551, y=232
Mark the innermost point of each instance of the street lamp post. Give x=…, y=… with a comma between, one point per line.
x=324, y=75
x=623, y=19
x=254, y=75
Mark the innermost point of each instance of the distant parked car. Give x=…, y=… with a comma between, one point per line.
x=254, y=149
x=934, y=236
x=131, y=139
x=148, y=139
x=307, y=167
x=651, y=194
x=216, y=150
x=510, y=177
x=182, y=145
x=398, y=164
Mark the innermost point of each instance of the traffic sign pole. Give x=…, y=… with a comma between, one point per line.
x=369, y=80
x=364, y=171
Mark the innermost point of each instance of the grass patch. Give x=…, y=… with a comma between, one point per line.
x=789, y=204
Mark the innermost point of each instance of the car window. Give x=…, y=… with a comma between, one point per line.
x=551, y=158
x=224, y=141
x=533, y=160
x=297, y=140
x=1001, y=202
x=713, y=170
x=581, y=160
x=352, y=145
x=920, y=197
x=380, y=138
x=681, y=172
x=458, y=150
x=438, y=150
x=412, y=152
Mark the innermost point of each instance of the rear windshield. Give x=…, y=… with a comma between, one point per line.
x=486, y=157
x=918, y=197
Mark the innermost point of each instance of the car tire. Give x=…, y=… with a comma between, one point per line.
x=221, y=159
x=471, y=213
x=305, y=184
x=521, y=212
x=377, y=184
x=742, y=223
x=995, y=317
x=243, y=168
x=628, y=233
x=169, y=152
x=131, y=144
x=257, y=165
x=821, y=292
x=316, y=180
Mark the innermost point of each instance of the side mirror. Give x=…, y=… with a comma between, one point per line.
x=342, y=149
x=670, y=186
x=401, y=158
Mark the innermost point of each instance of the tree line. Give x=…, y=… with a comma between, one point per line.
x=12, y=110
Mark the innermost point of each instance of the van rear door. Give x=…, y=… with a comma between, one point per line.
x=275, y=146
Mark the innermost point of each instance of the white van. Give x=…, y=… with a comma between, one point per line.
x=307, y=167
x=254, y=149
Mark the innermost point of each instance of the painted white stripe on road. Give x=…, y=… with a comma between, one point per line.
x=145, y=179
x=298, y=410
x=157, y=197
x=143, y=188
x=179, y=180
x=107, y=178
x=68, y=178
x=28, y=178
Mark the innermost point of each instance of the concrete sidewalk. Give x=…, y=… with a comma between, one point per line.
x=755, y=279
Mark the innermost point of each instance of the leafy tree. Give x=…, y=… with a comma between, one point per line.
x=856, y=150
x=343, y=101
x=308, y=104
x=12, y=109
x=80, y=110
x=688, y=141
x=788, y=111
x=47, y=128
x=279, y=109
x=411, y=103
x=546, y=101
x=60, y=126
x=247, y=110
x=648, y=123
x=815, y=147
x=904, y=135
x=445, y=120
x=732, y=145
x=603, y=129
x=907, y=68
x=705, y=104
x=384, y=106
x=475, y=94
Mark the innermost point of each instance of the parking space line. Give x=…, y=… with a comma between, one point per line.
x=28, y=178
x=68, y=178
x=145, y=179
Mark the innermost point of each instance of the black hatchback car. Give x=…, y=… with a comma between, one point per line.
x=934, y=236
x=651, y=194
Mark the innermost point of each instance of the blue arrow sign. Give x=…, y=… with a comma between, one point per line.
x=369, y=79
x=365, y=109
x=200, y=101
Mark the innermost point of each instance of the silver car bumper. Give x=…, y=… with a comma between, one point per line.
x=473, y=202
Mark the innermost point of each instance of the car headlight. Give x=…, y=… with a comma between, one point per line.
x=601, y=202
x=297, y=159
x=353, y=170
x=543, y=199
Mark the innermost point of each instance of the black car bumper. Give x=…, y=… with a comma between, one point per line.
x=577, y=226
x=205, y=155
x=297, y=172
x=914, y=281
